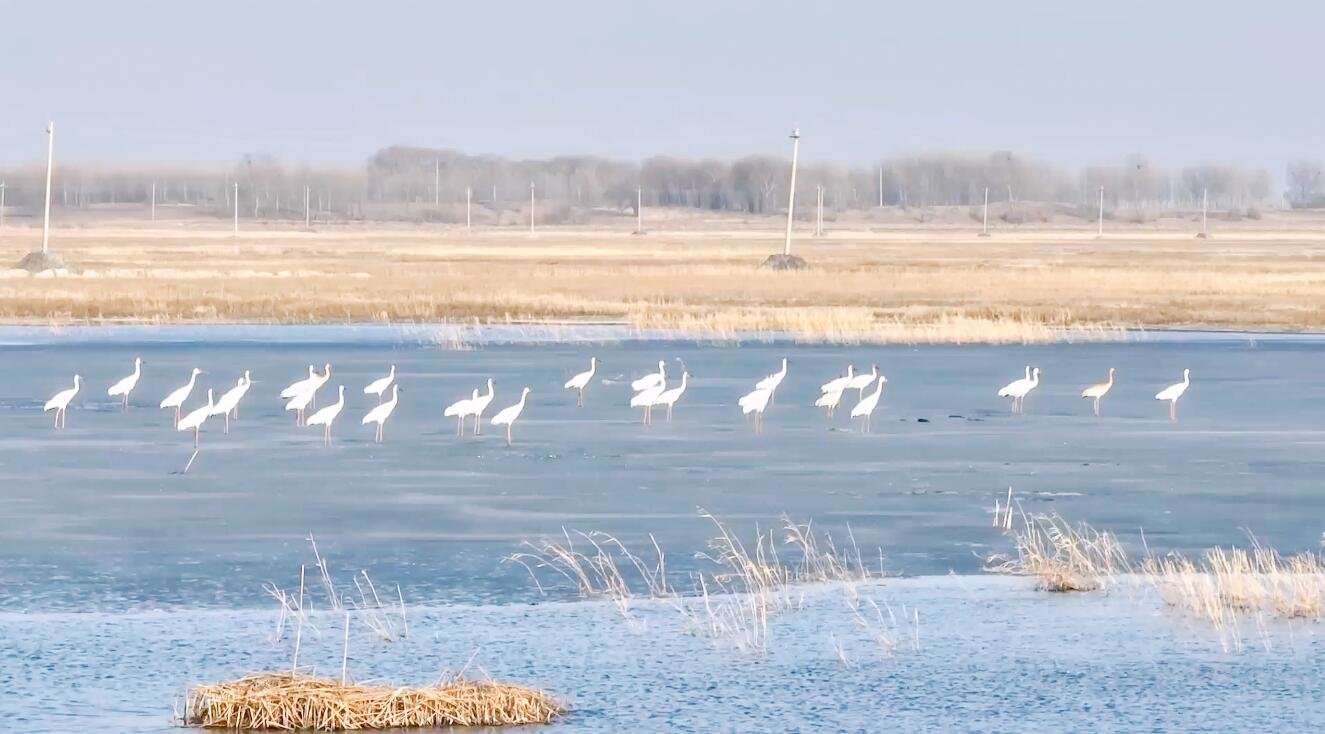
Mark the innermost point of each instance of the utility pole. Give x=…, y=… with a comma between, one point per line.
x=154, y=201
x=1100, y=233
x=50, y=164
x=639, y=210
x=791, y=192
x=1205, y=201
x=307, y=218
x=2, y=204
x=436, y=183
x=984, y=226
x=880, y=187
x=236, y=207
x=531, y=208
x=469, y=195
x=818, y=210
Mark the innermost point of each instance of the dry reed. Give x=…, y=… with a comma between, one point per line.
x=911, y=287
x=296, y=702
x=1062, y=557
x=732, y=601
x=1232, y=588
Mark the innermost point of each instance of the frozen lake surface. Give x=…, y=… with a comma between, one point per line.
x=124, y=579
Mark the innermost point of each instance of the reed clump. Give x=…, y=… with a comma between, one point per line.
x=285, y=701
x=1226, y=587
x=731, y=598
x=1061, y=556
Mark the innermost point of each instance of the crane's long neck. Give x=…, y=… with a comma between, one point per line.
x=193, y=378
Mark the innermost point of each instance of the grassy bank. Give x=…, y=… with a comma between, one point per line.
x=879, y=284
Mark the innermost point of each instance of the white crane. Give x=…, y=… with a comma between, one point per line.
x=507, y=416
x=327, y=416
x=830, y=401
x=772, y=382
x=1099, y=390
x=193, y=422
x=177, y=397
x=378, y=387
x=299, y=386
x=1175, y=391
x=651, y=379
x=1017, y=389
x=481, y=404
x=863, y=380
x=460, y=410
x=865, y=408
x=229, y=400
x=59, y=403
x=316, y=382
x=755, y=402
x=379, y=414
x=299, y=404
x=647, y=398
x=669, y=397
x=248, y=383
x=126, y=385
x=580, y=381
x=840, y=383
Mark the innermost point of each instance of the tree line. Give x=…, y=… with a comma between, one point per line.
x=427, y=184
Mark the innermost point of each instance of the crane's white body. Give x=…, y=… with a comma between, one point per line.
x=380, y=413
x=840, y=383
x=460, y=410
x=863, y=380
x=755, y=402
x=126, y=385
x=229, y=400
x=669, y=397
x=1175, y=391
x=299, y=386
x=327, y=416
x=829, y=401
x=1099, y=390
x=865, y=408
x=581, y=381
x=59, y=402
x=1017, y=390
x=194, y=419
x=177, y=397
x=507, y=416
x=481, y=404
x=300, y=402
x=647, y=398
x=316, y=383
x=772, y=382
x=652, y=379
x=378, y=387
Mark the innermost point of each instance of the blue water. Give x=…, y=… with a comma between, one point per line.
x=109, y=556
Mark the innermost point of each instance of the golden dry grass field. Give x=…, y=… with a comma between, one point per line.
x=869, y=280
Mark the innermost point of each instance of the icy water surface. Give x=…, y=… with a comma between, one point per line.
x=123, y=579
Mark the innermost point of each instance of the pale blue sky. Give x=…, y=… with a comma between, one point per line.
x=330, y=82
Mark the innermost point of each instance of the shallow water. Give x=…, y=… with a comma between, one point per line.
x=96, y=520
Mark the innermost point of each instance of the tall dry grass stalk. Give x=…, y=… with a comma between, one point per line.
x=288, y=702
x=1236, y=587
x=1061, y=556
x=731, y=601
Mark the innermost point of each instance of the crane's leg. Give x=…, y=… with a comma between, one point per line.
x=508, y=432
x=478, y=424
x=669, y=412
x=190, y=462
x=579, y=401
x=227, y=423
x=1173, y=410
x=195, y=437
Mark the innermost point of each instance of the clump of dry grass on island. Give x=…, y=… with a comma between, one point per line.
x=1230, y=588
x=287, y=702
x=1062, y=557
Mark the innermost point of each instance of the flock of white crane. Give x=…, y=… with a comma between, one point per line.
x=651, y=391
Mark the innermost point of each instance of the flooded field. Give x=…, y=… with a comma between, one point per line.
x=126, y=579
